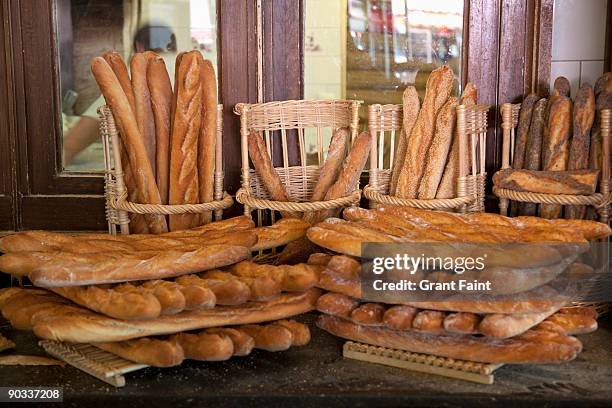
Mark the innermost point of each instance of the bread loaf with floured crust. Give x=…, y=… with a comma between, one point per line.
x=207, y=139
x=142, y=102
x=439, y=87
x=132, y=139
x=438, y=150
x=160, y=90
x=535, y=346
x=410, y=112
x=533, y=153
x=548, y=182
x=280, y=233
x=184, y=141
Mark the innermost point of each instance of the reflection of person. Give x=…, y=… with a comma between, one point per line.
x=81, y=131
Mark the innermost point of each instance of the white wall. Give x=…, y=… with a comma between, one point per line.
x=579, y=36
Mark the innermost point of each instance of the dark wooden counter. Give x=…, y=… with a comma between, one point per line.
x=317, y=375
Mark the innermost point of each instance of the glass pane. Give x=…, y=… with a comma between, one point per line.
x=88, y=28
x=370, y=50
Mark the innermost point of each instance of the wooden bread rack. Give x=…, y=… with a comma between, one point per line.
x=385, y=124
x=601, y=200
x=277, y=122
x=117, y=205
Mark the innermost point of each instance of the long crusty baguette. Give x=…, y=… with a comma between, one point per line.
x=160, y=89
x=153, y=352
x=504, y=326
x=85, y=326
x=330, y=168
x=574, y=323
x=138, y=223
x=299, y=331
x=205, y=346
x=461, y=323
x=430, y=321
x=529, y=348
x=56, y=269
x=348, y=180
x=265, y=170
x=228, y=292
x=132, y=139
x=550, y=182
x=410, y=111
x=448, y=183
x=207, y=139
x=439, y=87
x=270, y=337
x=243, y=343
x=533, y=153
x=584, y=117
x=555, y=150
x=135, y=305
x=280, y=233
x=184, y=140
x=337, y=304
x=369, y=314
x=603, y=94
x=142, y=102
x=262, y=288
x=438, y=150
x=400, y=317
x=291, y=278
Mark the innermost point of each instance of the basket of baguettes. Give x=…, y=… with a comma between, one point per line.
x=556, y=154
x=291, y=177
x=160, y=299
x=439, y=160
x=163, y=146
x=525, y=321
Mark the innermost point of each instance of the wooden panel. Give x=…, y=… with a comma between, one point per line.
x=6, y=213
x=512, y=51
x=608, y=53
x=538, y=46
x=238, y=81
x=65, y=213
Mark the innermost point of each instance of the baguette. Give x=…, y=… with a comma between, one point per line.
x=532, y=347
x=228, y=292
x=262, y=288
x=584, y=117
x=330, y=170
x=132, y=139
x=549, y=182
x=142, y=102
x=280, y=233
x=318, y=258
x=400, y=317
x=438, y=90
x=271, y=337
x=138, y=223
x=410, y=111
x=169, y=295
x=82, y=326
x=205, y=346
x=333, y=283
x=266, y=172
x=555, y=150
x=300, y=333
x=562, y=87
x=448, y=183
x=138, y=305
x=368, y=314
x=573, y=323
x=522, y=131
x=53, y=269
x=504, y=326
x=344, y=267
x=348, y=180
x=588, y=311
x=438, y=150
x=291, y=278
x=185, y=131
x=160, y=89
x=461, y=323
x=533, y=153
x=337, y=304
x=153, y=352
x=243, y=343
x=207, y=139
x=431, y=321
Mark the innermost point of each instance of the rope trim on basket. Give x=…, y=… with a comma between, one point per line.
x=433, y=204
x=597, y=200
x=120, y=203
x=243, y=197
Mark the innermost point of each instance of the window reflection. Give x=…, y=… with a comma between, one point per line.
x=88, y=28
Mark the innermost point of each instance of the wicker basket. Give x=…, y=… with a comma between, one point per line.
x=117, y=206
x=277, y=119
x=601, y=201
x=385, y=123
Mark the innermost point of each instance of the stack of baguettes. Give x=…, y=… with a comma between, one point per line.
x=523, y=322
x=558, y=147
x=167, y=136
x=427, y=153
x=138, y=295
